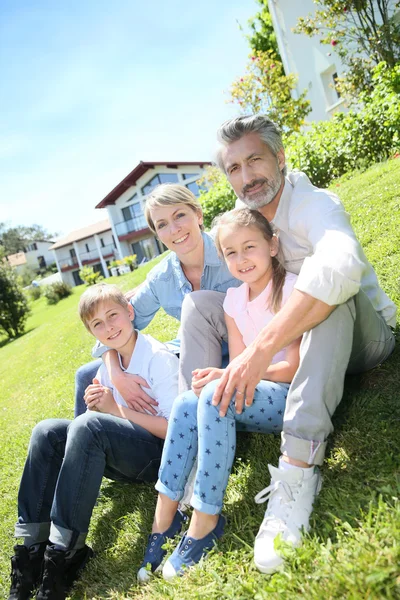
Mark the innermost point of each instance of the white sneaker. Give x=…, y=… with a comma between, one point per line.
x=291, y=496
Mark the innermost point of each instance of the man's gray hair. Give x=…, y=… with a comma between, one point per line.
x=236, y=128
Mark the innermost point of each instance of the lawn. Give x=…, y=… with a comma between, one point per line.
x=353, y=549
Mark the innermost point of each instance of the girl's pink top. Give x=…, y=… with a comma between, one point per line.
x=251, y=317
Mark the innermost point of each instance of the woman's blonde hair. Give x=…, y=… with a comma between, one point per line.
x=245, y=217
x=93, y=296
x=168, y=194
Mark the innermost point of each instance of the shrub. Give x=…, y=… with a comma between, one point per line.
x=219, y=198
x=56, y=291
x=130, y=261
x=35, y=292
x=89, y=276
x=354, y=140
x=14, y=307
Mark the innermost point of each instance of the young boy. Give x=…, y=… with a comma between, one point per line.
x=68, y=459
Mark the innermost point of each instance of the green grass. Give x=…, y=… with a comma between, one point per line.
x=353, y=549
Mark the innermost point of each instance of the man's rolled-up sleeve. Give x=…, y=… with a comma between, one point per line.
x=334, y=271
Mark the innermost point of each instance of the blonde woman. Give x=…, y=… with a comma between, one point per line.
x=174, y=214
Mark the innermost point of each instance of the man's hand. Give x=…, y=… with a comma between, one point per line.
x=136, y=398
x=242, y=375
x=200, y=378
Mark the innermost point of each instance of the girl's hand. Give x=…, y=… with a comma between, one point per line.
x=200, y=378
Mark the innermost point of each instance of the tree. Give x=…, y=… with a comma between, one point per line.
x=219, y=198
x=362, y=32
x=14, y=307
x=15, y=239
x=262, y=37
x=265, y=87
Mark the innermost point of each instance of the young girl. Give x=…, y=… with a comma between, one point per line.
x=196, y=429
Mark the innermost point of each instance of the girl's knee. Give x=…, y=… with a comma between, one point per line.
x=206, y=396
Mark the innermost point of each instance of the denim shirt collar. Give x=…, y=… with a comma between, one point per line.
x=211, y=259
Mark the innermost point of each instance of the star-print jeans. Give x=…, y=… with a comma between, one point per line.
x=196, y=430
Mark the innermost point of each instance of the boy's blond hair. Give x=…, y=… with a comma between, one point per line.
x=91, y=298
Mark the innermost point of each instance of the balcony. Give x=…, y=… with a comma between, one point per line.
x=71, y=262
x=68, y=262
x=135, y=224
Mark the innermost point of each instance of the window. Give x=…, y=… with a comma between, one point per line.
x=160, y=178
x=132, y=198
x=130, y=212
x=194, y=188
x=328, y=79
x=190, y=175
x=87, y=247
x=72, y=253
x=102, y=242
x=113, y=239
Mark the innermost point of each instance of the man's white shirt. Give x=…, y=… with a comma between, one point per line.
x=319, y=245
x=153, y=361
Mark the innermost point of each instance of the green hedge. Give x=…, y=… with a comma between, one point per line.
x=352, y=140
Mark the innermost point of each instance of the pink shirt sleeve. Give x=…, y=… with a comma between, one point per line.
x=288, y=287
x=231, y=301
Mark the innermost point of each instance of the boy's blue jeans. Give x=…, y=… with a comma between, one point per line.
x=64, y=468
x=195, y=429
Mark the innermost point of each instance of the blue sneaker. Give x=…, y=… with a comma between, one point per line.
x=190, y=551
x=154, y=554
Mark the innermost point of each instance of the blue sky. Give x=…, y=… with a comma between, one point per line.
x=88, y=89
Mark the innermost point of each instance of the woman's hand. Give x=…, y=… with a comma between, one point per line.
x=200, y=378
x=129, y=386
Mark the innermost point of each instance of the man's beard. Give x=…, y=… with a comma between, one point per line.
x=265, y=195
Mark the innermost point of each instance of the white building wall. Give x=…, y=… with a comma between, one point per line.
x=314, y=63
x=64, y=259
x=42, y=250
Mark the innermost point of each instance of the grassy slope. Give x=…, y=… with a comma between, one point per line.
x=353, y=548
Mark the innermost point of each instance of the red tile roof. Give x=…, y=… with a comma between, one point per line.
x=81, y=234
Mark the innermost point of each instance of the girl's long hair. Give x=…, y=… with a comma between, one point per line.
x=246, y=217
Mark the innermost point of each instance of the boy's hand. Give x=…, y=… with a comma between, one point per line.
x=93, y=393
x=107, y=404
x=200, y=378
x=100, y=398
x=136, y=398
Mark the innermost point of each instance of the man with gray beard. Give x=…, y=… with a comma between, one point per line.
x=337, y=306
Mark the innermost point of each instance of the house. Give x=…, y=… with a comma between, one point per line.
x=93, y=245
x=315, y=64
x=125, y=204
x=36, y=255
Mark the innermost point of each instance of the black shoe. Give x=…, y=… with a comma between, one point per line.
x=26, y=567
x=61, y=569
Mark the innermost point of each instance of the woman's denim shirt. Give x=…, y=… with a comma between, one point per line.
x=166, y=285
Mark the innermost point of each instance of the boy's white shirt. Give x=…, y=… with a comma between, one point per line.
x=153, y=361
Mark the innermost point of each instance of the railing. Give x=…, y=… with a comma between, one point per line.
x=68, y=261
x=107, y=250
x=135, y=224
x=87, y=257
